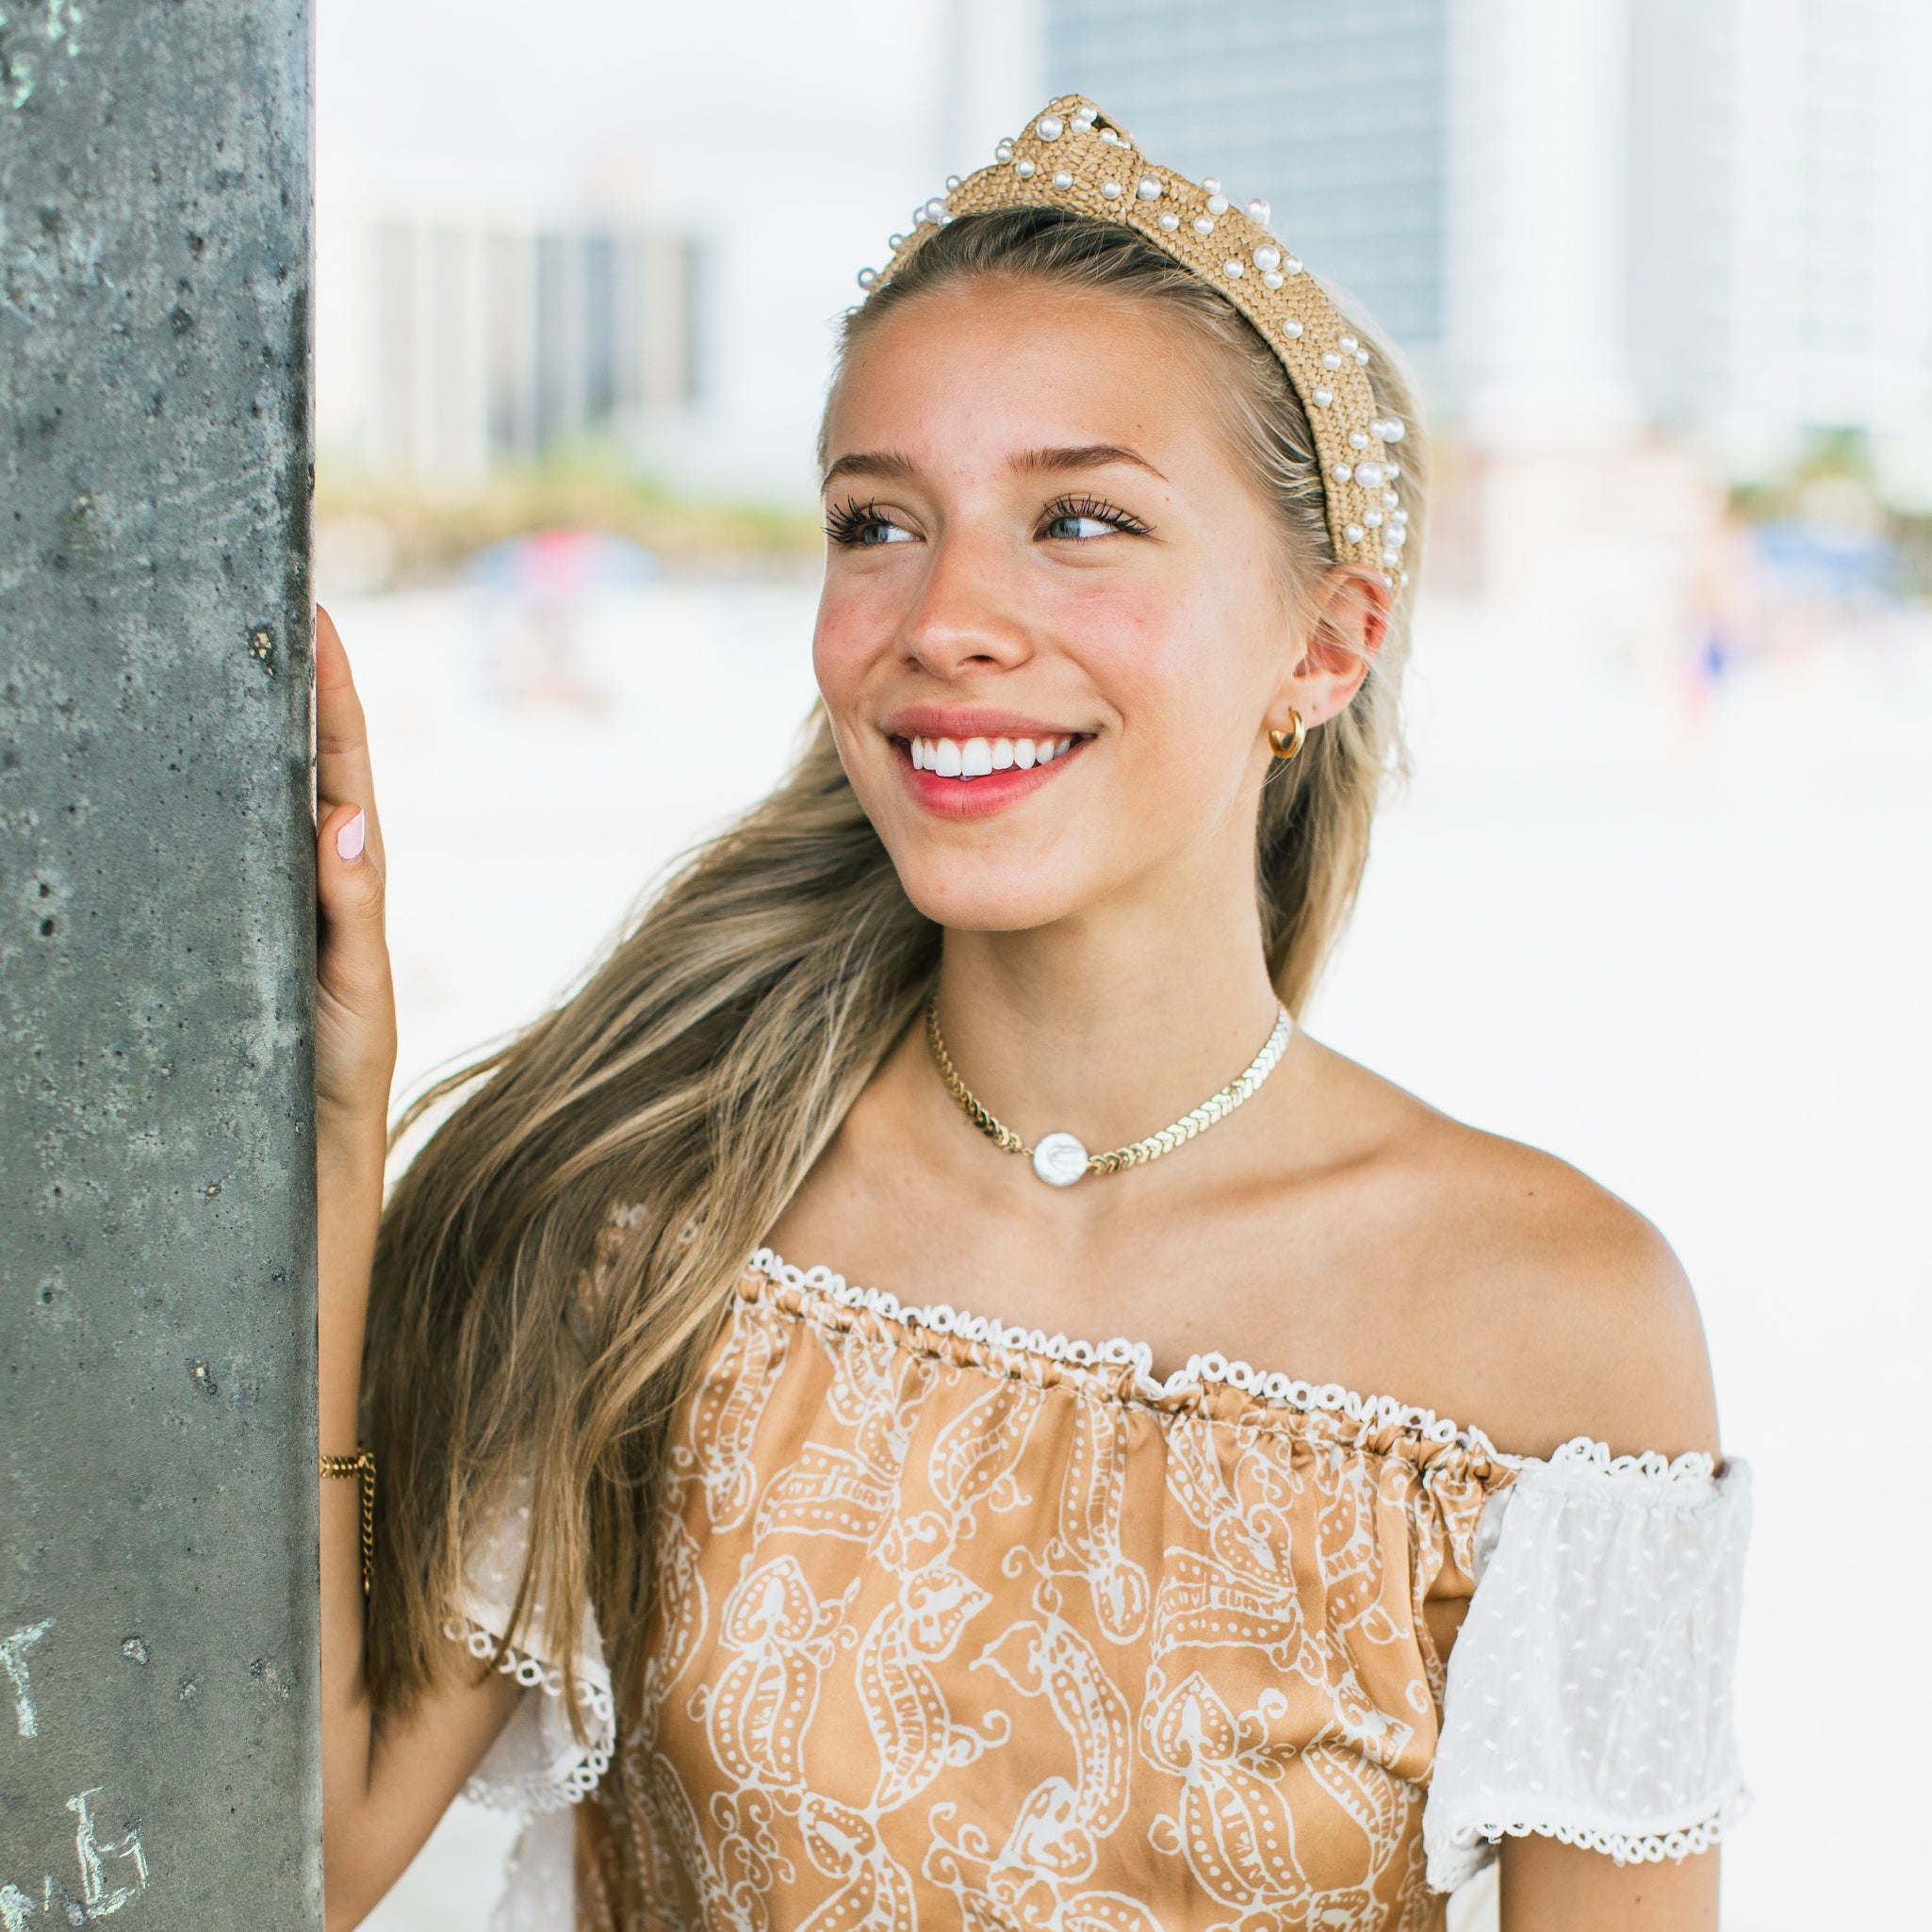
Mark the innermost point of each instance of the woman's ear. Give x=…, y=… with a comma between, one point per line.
x=1350, y=626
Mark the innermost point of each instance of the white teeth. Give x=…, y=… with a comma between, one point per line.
x=975, y=758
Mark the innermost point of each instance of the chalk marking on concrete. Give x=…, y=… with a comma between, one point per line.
x=90, y=1851
x=13, y=1661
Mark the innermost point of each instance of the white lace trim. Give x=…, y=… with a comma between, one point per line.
x=941, y=1318
x=1650, y=1472
x=573, y=1769
x=1621, y=1847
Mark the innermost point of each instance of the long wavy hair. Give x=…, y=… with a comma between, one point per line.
x=555, y=1263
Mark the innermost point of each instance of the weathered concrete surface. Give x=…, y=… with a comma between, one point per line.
x=157, y=1612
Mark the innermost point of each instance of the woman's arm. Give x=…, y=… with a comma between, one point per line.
x=384, y=1788
x=1551, y=1887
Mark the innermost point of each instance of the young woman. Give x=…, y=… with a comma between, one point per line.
x=843, y=1607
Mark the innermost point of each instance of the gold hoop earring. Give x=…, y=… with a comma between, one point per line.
x=1288, y=744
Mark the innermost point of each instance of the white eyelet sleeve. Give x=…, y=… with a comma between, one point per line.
x=1589, y=1690
x=536, y=1763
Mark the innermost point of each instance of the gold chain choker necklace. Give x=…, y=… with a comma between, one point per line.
x=1059, y=1160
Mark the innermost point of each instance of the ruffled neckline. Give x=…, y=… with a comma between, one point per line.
x=1224, y=1387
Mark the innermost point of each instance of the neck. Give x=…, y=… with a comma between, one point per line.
x=1111, y=1023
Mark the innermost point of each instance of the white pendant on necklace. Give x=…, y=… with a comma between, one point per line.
x=1059, y=1160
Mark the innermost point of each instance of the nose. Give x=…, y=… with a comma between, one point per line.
x=966, y=617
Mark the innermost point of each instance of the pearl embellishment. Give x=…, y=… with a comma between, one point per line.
x=1341, y=472
x=1062, y=179
x=1259, y=211
x=1171, y=222
x=1357, y=439
x=1354, y=533
x=1322, y=398
x=1369, y=475
x=867, y=277
x=1203, y=225
x=1330, y=359
x=1049, y=127
x=1148, y=188
x=1292, y=330
x=1216, y=204
x=1111, y=189
x=1023, y=169
x=1234, y=268
x=1267, y=257
x=1270, y=279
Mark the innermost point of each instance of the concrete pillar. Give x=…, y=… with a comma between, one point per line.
x=157, y=1570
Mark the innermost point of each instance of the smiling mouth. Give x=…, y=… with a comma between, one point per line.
x=979, y=758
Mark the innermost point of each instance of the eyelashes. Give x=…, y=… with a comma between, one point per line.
x=1093, y=510
x=855, y=525
x=850, y=522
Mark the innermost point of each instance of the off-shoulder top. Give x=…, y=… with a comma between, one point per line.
x=964, y=1626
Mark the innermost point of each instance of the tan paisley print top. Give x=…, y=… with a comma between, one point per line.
x=952, y=1634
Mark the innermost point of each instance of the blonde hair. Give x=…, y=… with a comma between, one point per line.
x=519, y=1334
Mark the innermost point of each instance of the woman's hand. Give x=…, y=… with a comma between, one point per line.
x=356, y=1002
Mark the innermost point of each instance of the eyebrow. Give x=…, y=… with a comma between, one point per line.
x=885, y=464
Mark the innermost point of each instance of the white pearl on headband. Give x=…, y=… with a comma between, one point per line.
x=1004, y=150
x=1271, y=279
x=1392, y=432
x=1341, y=472
x=1347, y=345
x=1292, y=330
x=1354, y=533
x=1171, y=222
x=952, y=182
x=1111, y=189
x=1062, y=179
x=1216, y=204
x=1389, y=501
x=1203, y=225
x=935, y=208
x=1260, y=211
x=1323, y=398
x=1330, y=359
x=1049, y=127
x=867, y=277
x=1362, y=356
x=1293, y=265
x=1108, y=135
x=1148, y=188
x=1234, y=268
x=896, y=242
x=1372, y=519
x=1266, y=256
x=1369, y=475
x=1023, y=169
x=1358, y=440
x=1210, y=183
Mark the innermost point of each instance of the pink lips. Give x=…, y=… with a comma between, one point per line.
x=989, y=793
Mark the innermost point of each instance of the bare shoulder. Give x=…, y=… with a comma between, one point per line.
x=1550, y=1307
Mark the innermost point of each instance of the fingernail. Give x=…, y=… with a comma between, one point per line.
x=349, y=839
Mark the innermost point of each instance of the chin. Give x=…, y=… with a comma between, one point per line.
x=983, y=892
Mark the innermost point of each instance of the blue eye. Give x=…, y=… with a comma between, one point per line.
x=1081, y=519
x=1078, y=528
x=859, y=526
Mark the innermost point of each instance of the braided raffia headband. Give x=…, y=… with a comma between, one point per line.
x=1074, y=159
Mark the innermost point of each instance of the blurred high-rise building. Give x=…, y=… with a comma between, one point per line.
x=457, y=341
x=1704, y=215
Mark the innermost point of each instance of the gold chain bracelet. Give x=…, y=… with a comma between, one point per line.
x=363, y=1465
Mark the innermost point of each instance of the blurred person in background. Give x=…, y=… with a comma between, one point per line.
x=776, y=1600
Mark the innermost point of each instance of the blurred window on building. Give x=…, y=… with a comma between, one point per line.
x=1337, y=114
x=457, y=345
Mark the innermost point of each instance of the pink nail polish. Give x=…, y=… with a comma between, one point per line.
x=349, y=839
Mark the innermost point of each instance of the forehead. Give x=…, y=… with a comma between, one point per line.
x=998, y=361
